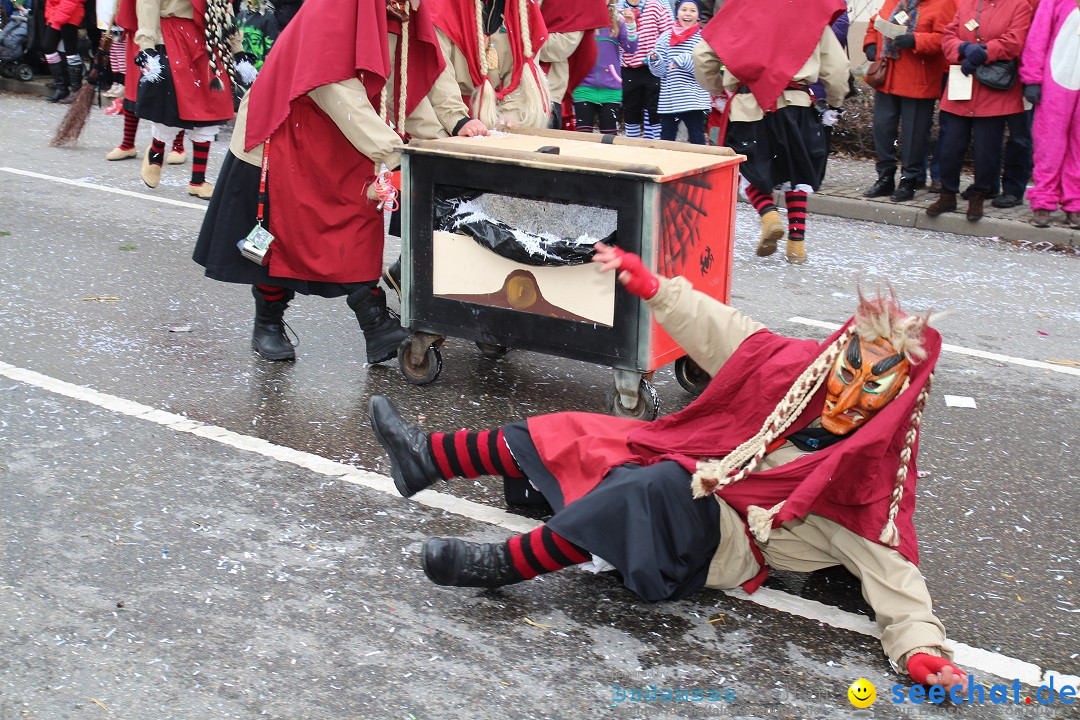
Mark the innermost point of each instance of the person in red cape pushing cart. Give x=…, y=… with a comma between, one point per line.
x=799, y=456
x=301, y=196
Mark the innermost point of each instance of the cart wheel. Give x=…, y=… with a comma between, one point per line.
x=24, y=72
x=647, y=407
x=7, y=69
x=693, y=379
x=492, y=350
x=426, y=371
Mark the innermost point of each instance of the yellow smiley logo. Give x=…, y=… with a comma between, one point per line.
x=862, y=693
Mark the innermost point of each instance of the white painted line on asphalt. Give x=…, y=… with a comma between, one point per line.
x=969, y=657
x=104, y=188
x=961, y=350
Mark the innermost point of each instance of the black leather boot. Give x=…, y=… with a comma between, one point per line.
x=392, y=277
x=60, y=81
x=268, y=339
x=884, y=185
x=382, y=328
x=75, y=76
x=411, y=463
x=905, y=190
x=454, y=562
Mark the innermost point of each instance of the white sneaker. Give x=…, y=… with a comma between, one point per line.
x=117, y=90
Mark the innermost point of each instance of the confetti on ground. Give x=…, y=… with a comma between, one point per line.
x=960, y=401
x=180, y=328
x=1043, y=332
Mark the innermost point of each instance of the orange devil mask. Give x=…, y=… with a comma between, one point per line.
x=864, y=379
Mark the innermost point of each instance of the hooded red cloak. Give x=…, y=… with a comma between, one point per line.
x=457, y=20
x=765, y=42
x=850, y=482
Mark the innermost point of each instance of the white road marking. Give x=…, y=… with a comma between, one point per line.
x=961, y=350
x=104, y=188
x=968, y=657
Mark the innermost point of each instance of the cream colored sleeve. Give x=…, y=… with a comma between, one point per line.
x=560, y=46
x=346, y=103
x=892, y=585
x=439, y=112
x=707, y=329
x=834, y=69
x=456, y=64
x=148, y=13
x=708, y=70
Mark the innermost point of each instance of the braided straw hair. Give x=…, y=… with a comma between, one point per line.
x=403, y=82
x=533, y=85
x=483, y=95
x=220, y=27
x=879, y=317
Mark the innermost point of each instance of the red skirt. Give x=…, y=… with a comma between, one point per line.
x=185, y=45
x=325, y=228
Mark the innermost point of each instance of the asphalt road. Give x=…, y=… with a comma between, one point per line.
x=149, y=572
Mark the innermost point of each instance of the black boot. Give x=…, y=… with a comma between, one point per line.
x=382, y=329
x=411, y=463
x=905, y=190
x=454, y=562
x=74, y=76
x=883, y=186
x=60, y=81
x=268, y=339
x=392, y=276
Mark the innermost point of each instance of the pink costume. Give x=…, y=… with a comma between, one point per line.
x=1051, y=58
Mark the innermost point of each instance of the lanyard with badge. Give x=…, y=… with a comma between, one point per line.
x=256, y=246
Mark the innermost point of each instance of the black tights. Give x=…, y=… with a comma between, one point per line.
x=68, y=33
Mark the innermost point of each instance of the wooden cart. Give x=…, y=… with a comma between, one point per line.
x=674, y=204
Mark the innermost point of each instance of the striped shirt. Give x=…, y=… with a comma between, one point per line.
x=653, y=18
x=679, y=91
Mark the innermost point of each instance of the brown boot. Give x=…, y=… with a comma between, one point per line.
x=946, y=202
x=1040, y=218
x=772, y=229
x=795, y=252
x=975, y=206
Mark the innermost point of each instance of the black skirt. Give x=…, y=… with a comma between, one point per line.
x=228, y=220
x=641, y=519
x=786, y=146
x=156, y=100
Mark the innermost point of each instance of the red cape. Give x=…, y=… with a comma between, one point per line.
x=850, y=482
x=333, y=40
x=457, y=20
x=764, y=42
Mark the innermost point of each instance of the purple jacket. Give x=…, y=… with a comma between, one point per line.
x=608, y=54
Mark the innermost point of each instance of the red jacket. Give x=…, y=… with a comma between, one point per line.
x=917, y=72
x=1003, y=28
x=64, y=12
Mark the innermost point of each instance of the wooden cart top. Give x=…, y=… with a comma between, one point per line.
x=650, y=160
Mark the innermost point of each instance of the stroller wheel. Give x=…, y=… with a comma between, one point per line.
x=7, y=69
x=24, y=72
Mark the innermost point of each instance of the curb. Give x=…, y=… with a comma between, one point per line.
x=955, y=222
x=34, y=87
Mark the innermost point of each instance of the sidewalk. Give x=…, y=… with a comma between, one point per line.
x=846, y=179
x=841, y=196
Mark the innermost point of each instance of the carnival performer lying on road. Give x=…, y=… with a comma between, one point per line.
x=798, y=456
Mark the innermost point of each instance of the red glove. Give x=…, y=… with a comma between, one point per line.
x=395, y=180
x=637, y=278
x=920, y=666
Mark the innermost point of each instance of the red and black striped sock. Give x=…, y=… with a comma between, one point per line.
x=543, y=551
x=762, y=202
x=472, y=454
x=157, y=152
x=178, y=142
x=271, y=293
x=131, y=126
x=796, y=214
x=200, y=151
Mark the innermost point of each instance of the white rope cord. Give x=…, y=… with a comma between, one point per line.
x=482, y=38
x=889, y=534
x=403, y=76
x=526, y=31
x=713, y=475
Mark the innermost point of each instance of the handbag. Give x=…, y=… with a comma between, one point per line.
x=877, y=72
x=997, y=75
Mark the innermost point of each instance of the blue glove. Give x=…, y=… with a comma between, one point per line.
x=961, y=51
x=871, y=52
x=967, y=67
x=976, y=53
x=1033, y=93
x=904, y=42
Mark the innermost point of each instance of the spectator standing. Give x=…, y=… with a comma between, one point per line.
x=681, y=98
x=598, y=98
x=912, y=85
x=981, y=32
x=771, y=114
x=566, y=59
x=62, y=20
x=1050, y=71
x=641, y=89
